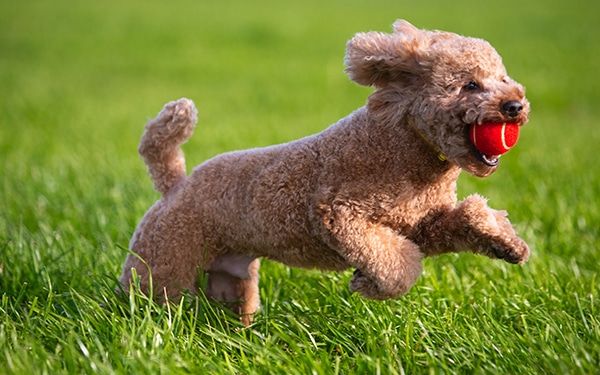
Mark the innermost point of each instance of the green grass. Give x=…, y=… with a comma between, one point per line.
x=78, y=80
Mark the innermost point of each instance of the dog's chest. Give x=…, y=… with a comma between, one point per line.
x=404, y=209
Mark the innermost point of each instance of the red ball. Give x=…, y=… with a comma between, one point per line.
x=494, y=138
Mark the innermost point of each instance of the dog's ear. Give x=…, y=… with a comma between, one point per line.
x=374, y=59
x=406, y=29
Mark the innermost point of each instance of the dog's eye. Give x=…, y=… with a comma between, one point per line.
x=471, y=86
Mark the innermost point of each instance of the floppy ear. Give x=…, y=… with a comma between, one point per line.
x=406, y=29
x=374, y=58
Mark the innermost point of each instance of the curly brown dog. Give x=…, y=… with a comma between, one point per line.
x=376, y=191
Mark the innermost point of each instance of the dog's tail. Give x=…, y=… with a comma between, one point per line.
x=160, y=144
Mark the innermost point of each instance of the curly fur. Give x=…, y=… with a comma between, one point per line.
x=370, y=192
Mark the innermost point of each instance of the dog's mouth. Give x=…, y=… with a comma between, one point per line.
x=486, y=141
x=489, y=160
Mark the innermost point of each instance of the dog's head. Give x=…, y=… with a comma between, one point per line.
x=441, y=83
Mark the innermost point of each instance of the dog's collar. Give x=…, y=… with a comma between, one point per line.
x=440, y=156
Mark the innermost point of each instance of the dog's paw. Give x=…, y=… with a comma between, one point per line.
x=509, y=247
x=514, y=250
x=492, y=233
x=360, y=283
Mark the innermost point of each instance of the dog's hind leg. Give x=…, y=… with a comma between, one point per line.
x=159, y=146
x=233, y=280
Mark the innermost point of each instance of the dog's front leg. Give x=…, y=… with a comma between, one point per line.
x=387, y=264
x=473, y=226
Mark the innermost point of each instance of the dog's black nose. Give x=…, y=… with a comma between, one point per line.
x=512, y=108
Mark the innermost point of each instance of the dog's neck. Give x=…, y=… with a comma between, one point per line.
x=439, y=153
